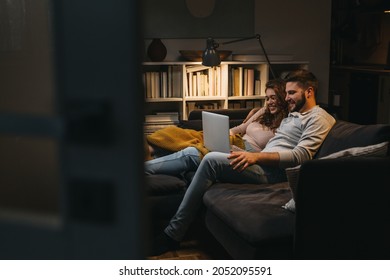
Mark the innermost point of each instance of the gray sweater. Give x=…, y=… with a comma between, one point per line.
x=299, y=136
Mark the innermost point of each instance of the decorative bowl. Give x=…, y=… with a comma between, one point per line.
x=197, y=55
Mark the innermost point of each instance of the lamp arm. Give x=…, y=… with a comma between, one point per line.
x=266, y=56
x=258, y=37
x=239, y=40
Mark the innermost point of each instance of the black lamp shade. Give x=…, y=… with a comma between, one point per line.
x=210, y=55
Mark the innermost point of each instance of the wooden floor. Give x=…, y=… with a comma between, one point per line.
x=192, y=250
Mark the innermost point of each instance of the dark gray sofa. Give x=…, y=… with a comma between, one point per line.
x=164, y=192
x=341, y=212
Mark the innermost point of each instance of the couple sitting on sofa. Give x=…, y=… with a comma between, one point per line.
x=292, y=141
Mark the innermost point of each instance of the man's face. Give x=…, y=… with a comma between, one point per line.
x=295, y=97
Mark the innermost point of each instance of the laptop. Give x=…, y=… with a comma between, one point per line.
x=216, y=132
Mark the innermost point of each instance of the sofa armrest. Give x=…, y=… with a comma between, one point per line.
x=343, y=208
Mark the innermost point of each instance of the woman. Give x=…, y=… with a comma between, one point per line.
x=255, y=131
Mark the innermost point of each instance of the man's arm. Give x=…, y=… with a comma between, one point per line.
x=241, y=160
x=316, y=128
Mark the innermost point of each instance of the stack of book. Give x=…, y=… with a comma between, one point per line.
x=159, y=121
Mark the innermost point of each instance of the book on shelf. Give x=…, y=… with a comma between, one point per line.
x=164, y=85
x=159, y=121
x=211, y=81
x=250, y=88
x=234, y=105
x=217, y=80
x=258, y=88
x=204, y=81
x=200, y=84
x=175, y=82
x=162, y=117
x=150, y=128
x=168, y=113
x=189, y=84
x=245, y=82
x=257, y=103
x=196, y=68
x=194, y=85
x=240, y=80
x=155, y=84
x=249, y=104
x=237, y=80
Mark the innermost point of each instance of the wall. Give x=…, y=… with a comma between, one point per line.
x=298, y=28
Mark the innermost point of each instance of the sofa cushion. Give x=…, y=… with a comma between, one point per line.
x=377, y=150
x=344, y=135
x=253, y=211
x=160, y=184
x=290, y=205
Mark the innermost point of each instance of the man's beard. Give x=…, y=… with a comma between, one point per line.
x=299, y=104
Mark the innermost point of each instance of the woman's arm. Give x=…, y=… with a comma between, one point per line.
x=253, y=114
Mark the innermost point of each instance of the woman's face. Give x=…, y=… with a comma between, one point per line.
x=271, y=101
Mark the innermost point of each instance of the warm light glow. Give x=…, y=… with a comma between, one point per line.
x=386, y=11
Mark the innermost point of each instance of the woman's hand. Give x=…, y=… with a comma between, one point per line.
x=241, y=159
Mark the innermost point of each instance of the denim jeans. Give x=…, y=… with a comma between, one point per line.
x=214, y=167
x=176, y=163
x=187, y=159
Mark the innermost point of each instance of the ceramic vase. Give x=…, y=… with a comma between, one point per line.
x=157, y=50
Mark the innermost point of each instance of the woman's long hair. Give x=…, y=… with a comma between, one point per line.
x=272, y=121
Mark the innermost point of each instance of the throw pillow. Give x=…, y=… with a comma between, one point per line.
x=290, y=205
x=377, y=150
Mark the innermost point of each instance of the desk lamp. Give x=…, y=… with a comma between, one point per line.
x=211, y=58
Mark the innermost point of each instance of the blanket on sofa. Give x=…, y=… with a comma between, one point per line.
x=174, y=138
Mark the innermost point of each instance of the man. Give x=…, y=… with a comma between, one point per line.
x=297, y=140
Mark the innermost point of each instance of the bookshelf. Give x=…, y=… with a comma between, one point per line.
x=184, y=86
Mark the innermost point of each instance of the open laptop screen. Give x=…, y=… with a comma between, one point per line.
x=216, y=132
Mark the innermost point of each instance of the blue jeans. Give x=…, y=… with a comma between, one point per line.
x=176, y=163
x=187, y=159
x=213, y=167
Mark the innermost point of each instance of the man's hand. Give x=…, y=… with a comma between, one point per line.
x=241, y=160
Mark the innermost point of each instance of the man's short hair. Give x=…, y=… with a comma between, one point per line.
x=304, y=78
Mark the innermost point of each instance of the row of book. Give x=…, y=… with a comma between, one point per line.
x=245, y=104
x=202, y=105
x=160, y=120
x=163, y=84
x=244, y=82
x=211, y=81
x=205, y=81
x=201, y=81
